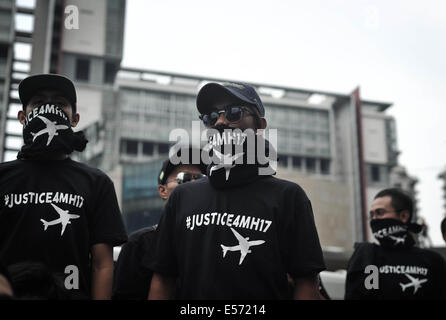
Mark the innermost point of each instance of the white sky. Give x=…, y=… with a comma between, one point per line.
x=394, y=50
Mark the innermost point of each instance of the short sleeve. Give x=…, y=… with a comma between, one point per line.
x=303, y=252
x=353, y=281
x=440, y=280
x=164, y=258
x=106, y=225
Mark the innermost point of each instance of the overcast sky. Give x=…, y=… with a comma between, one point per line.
x=394, y=50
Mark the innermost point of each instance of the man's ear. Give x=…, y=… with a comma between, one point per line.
x=404, y=216
x=263, y=123
x=75, y=120
x=21, y=116
x=162, y=191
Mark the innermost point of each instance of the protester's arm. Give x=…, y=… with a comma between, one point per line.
x=106, y=230
x=162, y=287
x=164, y=260
x=307, y=288
x=5, y=287
x=301, y=248
x=102, y=271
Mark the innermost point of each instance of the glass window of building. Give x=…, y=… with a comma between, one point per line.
x=376, y=177
x=282, y=160
x=297, y=162
x=163, y=148
x=82, y=69
x=325, y=166
x=3, y=51
x=310, y=165
x=147, y=148
x=131, y=147
x=110, y=72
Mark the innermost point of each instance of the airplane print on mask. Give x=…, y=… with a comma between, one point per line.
x=226, y=161
x=414, y=282
x=51, y=129
x=398, y=239
x=64, y=219
x=243, y=245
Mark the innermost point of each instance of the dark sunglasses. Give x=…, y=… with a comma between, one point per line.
x=184, y=177
x=381, y=212
x=233, y=114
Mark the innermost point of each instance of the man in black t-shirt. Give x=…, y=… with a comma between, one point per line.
x=239, y=232
x=133, y=275
x=54, y=210
x=394, y=269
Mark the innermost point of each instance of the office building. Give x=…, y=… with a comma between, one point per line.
x=341, y=149
x=317, y=143
x=82, y=40
x=442, y=176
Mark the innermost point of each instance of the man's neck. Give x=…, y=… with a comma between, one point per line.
x=51, y=157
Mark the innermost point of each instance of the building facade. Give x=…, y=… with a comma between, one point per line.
x=315, y=143
x=8, y=11
x=442, y=176
x=342, y=150
x=82, y=40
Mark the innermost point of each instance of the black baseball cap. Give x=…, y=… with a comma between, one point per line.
x=29, y=86
x=168, y=167
x=214, y=94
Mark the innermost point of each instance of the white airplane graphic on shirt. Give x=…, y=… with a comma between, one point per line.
x=51, y=129
x=414, y=282
x=398, y=239
x=64, y=219
x=243, y=245
x=226, y=161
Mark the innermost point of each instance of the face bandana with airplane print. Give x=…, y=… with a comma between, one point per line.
x=235, y=157
x=47, y=133
x=393, y=233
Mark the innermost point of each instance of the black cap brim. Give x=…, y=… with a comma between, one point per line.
x=168, y=167
x=215, y=94
x=28, y=87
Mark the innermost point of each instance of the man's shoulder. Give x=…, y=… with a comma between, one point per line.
x=364, y=253
x=365, y=246
x=143, y=233
x=11, y=164
x=194, y=186
x=430, y=254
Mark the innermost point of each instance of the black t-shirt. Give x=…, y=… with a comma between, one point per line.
x=239, y=242
x=406, y=273
x=53, y=212
x=132, y=275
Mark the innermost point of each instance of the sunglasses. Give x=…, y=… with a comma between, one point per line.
x=184, y=177
x=233, y=114
x=380, y=213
